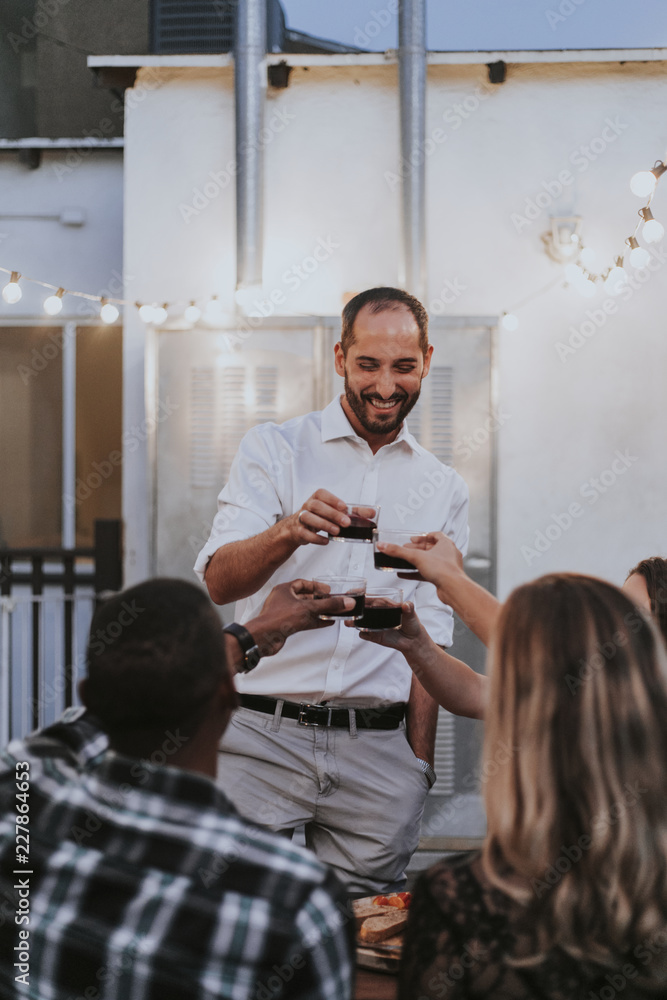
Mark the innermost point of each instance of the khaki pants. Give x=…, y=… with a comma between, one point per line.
x=359, y=794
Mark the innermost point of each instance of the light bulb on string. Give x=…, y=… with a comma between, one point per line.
x=214, y=312
x=147, y=313
x=12, y=291
x=616, y=277
x=639, y=256
x=574, y=274
x=159, y=314
x=643, y=183
x=652, y=230
x=509, y=321
x=192, y=313
x=587, y=257
x=108, y=313
x=587, y=288
x=53, y=305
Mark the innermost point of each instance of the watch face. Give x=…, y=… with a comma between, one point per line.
x=252, y=658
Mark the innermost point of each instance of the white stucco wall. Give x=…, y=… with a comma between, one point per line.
x=332, y=146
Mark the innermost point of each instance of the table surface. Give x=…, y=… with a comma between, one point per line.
x=375, y=986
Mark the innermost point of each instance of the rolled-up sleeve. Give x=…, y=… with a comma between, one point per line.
x=436, y=617
x=250, y=502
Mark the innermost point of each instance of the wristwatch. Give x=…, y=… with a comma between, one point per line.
x=431, y=776
x=251, y=653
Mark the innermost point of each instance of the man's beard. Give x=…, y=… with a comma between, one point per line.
x=378, y=425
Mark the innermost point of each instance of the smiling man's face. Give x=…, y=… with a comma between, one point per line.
x=383, y=370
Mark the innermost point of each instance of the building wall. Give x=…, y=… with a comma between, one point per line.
x=332, y=181
x=47, y=88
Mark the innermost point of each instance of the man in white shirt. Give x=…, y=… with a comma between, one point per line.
x=355, y=768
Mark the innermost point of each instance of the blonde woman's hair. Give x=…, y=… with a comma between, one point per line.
x=577, y=810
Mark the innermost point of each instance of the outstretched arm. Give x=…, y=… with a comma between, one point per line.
x=441, y=563
x=289, y=608
x=449, y=681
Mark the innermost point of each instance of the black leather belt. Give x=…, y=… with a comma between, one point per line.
x=382, y=717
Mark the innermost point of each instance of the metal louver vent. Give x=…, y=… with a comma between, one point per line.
x=204, y=471
x=445, y=755
x=442, y=413
x=233, y=415
x=266, y=394
x=206, y=26
x=192, y=26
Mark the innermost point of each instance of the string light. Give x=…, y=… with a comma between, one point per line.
x=11, y=293
x=587, y=257
x=54, y=304
x=643, y=183
x=146, y=313
x=213, y=312
x=159, y=314
x=616, y=277
x=574, y=274
x=108, y=313
x=639, y=256
x=193, y=313
x=577, y=272
x=653, y=231
x=587, y=287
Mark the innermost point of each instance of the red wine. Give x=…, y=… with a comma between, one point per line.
x=377, y=618
x=383, y=561
x=356, y=612
x=360, y=529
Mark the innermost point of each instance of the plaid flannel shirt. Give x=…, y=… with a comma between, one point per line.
x=145, y=884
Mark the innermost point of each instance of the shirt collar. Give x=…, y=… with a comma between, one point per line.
x=336, y=425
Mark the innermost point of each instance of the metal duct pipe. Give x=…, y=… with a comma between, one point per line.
x=412, y=87
x=250, y=92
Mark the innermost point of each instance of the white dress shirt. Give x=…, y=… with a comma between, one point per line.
x=276, y=469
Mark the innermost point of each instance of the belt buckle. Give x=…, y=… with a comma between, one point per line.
x=305, y=707
x=302, y=720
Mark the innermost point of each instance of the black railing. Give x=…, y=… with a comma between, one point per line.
x=62, y=574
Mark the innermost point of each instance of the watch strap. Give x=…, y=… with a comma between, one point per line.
x=251, y=654
x=431, y=776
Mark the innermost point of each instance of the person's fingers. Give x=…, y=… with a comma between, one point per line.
x=329, y=513
x=302, y=588
x=329, y=605
x=308, y=527
x=329, y=498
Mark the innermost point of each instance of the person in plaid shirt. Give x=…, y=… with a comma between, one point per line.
x=139, y=880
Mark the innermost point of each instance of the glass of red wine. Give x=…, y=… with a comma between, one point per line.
x=391, y=564
x=340, y=586
x=382, y=610
x=363, y=522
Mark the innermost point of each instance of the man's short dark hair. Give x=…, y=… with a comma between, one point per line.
x=155, y=657
x=379, y=300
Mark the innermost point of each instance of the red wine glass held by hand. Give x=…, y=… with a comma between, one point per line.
x=392, y=563
x=341, y=586
x=363, y=521
x=382, y=610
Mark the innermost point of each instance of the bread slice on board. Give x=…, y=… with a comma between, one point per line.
x=379, y=928
x=364, y=908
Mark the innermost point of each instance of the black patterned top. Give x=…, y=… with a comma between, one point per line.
x=462, y=933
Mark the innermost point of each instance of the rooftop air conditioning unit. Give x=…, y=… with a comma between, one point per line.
x=205, y=26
